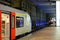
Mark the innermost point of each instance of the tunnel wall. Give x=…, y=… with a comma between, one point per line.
x=41, y=18
x=38, y=17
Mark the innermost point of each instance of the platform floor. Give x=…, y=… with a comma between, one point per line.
x=48, y=33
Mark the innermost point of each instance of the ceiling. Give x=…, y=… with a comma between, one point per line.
x=46, y=5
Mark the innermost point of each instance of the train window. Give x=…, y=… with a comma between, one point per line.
x=19, y=22
x=3, y=26
x=12, y=21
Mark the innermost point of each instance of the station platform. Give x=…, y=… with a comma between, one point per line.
x=48, y=33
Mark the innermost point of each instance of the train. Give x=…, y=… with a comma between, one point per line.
x=13, y=22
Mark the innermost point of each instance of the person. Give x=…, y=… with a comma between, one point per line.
x=54, y=21
x=50, y=21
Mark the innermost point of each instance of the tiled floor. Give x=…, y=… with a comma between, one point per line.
x=48, y=33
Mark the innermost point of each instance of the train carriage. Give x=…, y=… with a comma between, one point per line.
x=13, y=23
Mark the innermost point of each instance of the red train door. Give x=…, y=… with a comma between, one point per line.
x=7, y=25
x=13, y=26
x=0, y=25
x=4, y=25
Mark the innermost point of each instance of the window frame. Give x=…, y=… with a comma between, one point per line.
x=20, y=23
